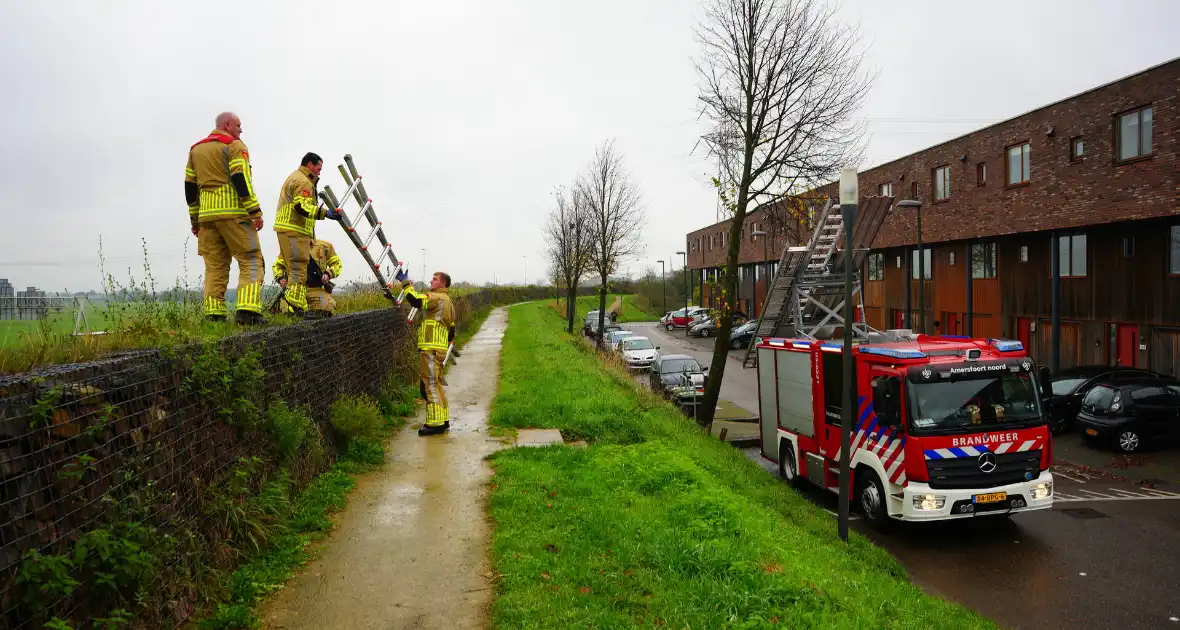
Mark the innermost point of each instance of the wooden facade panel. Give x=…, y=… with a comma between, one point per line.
x=950, y=278
x=874, y=293
x=1164, y=351
x=895, y=279
x=985, y=297
x=1024, y=289
x=875, y=317
x=986, y=325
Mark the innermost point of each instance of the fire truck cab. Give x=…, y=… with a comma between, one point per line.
x=944, y=427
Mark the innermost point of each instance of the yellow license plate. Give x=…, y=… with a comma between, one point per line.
x=1091, y=432
x=991, y=497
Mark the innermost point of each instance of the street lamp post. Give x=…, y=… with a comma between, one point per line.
x=917, y=205
x=526, y=269
x=766, y=262
x=663, y=288
x=687, y=293
x=849, y=193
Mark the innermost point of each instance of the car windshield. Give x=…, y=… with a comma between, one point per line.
x=951, y=406
x=679, y=365
x=1099, y=399
x=1066, y=385
x=637, y=344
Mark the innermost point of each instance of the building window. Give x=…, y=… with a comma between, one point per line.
x=942, y=183
x=913, y=190
x=1071, y=255
x=1024, y=253
x=981, y=173
x=1019, y=164
x=899, y=262
x=1077, y=148
x=950, y=259
x=1174, y=251
x=885, y=190
x=876, y=266
x=1133, y=134
x=1128, y=247
x=925, y=264
x=983, y=260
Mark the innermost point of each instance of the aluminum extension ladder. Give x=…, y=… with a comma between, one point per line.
x=356, y=191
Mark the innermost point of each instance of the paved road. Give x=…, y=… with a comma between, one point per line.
x=1103, y=557
x=741, y=389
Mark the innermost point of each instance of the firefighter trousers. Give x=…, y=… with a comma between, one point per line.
x=430, y=370
x=220, y=241
x=320, y=300
x=296, y=251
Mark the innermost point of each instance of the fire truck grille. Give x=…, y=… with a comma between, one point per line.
x=964, y=472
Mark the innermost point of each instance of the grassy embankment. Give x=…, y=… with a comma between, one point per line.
x=657, y=524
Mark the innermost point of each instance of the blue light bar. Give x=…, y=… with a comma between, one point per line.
x=801, y=345
x=892, y=353
x=1006, y=345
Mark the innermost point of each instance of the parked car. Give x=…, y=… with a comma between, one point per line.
x=665, y=318
x=668, y=372
x=638, y=352
x=1129, y=415
x=682, y=317
x=704, y=328
x=1070, y=386
x=590, y=322
x=743, y=335
x=613, y=338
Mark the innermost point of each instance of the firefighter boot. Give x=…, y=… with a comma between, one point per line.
x=434, y=429
x=248, y=318
x=215, y=318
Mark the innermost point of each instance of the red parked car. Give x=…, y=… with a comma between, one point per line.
x=682, y=317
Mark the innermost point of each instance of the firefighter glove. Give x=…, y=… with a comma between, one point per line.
x=402, y=275
x=332, y=214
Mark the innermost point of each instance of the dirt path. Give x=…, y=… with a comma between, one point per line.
x=616, y=306
x=411, y=549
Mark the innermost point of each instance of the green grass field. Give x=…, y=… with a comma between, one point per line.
x=635, y=309
x=656, y=524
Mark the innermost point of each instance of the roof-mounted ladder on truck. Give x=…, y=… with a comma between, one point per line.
x=806, y=295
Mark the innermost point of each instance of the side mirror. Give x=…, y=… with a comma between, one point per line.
x=657, y=347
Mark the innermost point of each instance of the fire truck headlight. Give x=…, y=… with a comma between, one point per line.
x=1042, y=490
x=928, y=502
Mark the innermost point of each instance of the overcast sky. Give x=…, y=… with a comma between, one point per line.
x=462, y=116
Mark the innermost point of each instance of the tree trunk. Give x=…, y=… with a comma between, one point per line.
x=725, y=326
x=601, y=313
x=571, y=297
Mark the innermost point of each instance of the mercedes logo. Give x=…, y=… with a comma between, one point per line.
x=987, y=461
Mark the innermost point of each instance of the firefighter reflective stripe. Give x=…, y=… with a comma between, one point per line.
x=432, y=335
x=335, y=266
x=239, y=165
x=250, y=297
x=214, y=306
x=436, y=415
x=288, y=219
x=279, y=268
x=220, y=203
x=297, y=209
x=297, y=294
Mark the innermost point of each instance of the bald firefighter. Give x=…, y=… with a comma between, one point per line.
x=323, y=266
x=295, y=225
x=436, y=331
x=225, y=217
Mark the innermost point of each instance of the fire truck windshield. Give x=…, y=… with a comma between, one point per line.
x=943, y=406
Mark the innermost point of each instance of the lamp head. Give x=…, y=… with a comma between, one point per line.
x=909, y=203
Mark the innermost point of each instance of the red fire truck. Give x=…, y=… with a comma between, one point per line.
x=944, y=428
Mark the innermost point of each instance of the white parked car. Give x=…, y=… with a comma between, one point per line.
x=638, y=352
x=613, y=338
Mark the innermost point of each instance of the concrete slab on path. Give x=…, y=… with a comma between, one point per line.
x=411, y=549
x=538, y=437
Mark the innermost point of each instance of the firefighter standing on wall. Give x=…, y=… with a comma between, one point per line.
x=295, y=226
x=435, y=333
x=324, y=266
x=225, y=217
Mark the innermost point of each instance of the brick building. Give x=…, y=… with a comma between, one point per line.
x=1094, y=177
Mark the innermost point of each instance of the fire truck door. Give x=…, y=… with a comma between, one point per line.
x=832, y=364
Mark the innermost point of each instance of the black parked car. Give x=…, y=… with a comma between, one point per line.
x=1071, y=385
x=1126, y=416
x=743, y=335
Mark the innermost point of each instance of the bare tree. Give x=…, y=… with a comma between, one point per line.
x=780, y=82
x=568, y=245
x=615, y=217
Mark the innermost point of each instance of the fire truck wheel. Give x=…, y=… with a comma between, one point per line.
x=870, y=496
x=787, y=466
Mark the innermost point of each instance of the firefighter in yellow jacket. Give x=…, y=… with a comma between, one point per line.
x=295, y=225
x=225, y=217
x=323, y=266
x=436, y=332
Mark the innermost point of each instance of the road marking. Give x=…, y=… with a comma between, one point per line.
x=1069, y=477
x=1117, y=494
x=1095, y=494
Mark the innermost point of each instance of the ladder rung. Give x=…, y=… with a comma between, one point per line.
x=364, y=208
x=369, y=238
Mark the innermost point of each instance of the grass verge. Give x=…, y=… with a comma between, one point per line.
x=657, y=524
x=637, y=309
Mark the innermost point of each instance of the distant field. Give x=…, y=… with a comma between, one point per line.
x=19, y=332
